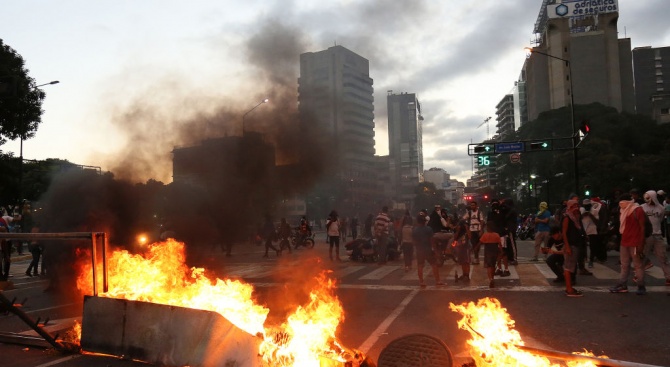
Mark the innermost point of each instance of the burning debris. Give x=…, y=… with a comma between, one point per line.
x=160, y=276
x=495, y=342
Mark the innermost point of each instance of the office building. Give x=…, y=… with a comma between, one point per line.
x=405, y=144
x=580, y=52
x=651, y=70
x=335, y=91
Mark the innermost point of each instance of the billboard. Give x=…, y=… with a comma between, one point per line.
x=580, y=8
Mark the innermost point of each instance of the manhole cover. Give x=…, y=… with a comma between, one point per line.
x=416, y=350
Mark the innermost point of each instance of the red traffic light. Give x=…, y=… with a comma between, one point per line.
x=585, y=127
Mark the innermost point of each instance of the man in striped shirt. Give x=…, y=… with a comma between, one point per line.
x=381, y=228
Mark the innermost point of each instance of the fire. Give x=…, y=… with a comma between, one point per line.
x=308, y=333
x=161, y=276
x=494, y=341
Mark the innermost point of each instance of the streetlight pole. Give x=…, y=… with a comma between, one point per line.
x=23, y=133
x=575, y=136
x=266, y=100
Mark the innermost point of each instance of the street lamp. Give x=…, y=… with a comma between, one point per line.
x=23, y=133
x=266, y=100
x=572, y=113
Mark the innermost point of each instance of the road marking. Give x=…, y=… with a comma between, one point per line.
x=545, y=270
x=343, y=272
x=374, y=337
x=656, y=272
x=380, y=272
x=58, y=361
x=603, y=272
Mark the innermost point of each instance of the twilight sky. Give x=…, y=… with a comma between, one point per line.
x=140, y=77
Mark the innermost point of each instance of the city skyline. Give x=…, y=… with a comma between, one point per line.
x=140, y=78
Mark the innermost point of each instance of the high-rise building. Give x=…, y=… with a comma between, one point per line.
x=585, y=54
x=405, y=144
x=651, y=69
x=335, y=90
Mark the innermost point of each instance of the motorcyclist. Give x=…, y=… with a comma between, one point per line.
x=304, y=230
x=440, y=223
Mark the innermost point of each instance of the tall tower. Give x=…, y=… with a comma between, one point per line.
x=405, y=144
x=335, y=89
x=586, y=55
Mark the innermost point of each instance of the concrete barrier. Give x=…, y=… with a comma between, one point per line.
x=165, y=335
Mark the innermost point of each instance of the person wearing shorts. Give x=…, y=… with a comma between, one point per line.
x=492, y=247
x=422, y=237
x=462, y=249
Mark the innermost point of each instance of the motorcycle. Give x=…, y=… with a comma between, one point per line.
x=365, y=250
x=525, y=231
x=443, y=248
x=300, y=239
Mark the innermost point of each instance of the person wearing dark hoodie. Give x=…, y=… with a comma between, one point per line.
x=573, y=238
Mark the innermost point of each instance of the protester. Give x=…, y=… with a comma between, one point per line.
x=462, y=248
x=573, y=238
x=406, y=241
x=631, y=227
x=492, y=248
x=382, y=228
x=655, y=243
x=541, y=229
x=422, y=236
x=333, y=225
x=36, y=251
x=269, y=235
x=474, y=220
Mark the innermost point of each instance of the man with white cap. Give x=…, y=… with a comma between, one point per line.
x=655, y=212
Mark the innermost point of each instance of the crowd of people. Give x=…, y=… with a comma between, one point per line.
x=19, y=219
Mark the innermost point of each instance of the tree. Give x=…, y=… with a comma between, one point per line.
x=622, y=151
x=20, y=102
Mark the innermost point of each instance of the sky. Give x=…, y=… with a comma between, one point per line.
x=138, y=78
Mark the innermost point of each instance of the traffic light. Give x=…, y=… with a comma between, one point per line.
x=540, y=145
x=483, y=149
x=585, y=127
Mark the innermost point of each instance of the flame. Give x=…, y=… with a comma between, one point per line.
x=161, y=276
x=494, y=341
x=309, y=331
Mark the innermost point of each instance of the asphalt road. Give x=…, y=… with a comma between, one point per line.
x=383, y=303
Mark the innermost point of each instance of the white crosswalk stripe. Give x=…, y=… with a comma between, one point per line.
x=380, y=272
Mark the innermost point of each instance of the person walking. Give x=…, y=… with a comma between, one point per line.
x=573, y=239
x=382, y=229
x=406, y=241
x=590, y=223
x=631, y=227
x=368, y=225
x=36, y=251
x=333, y=230
x=354, y=227
x=474, y=220
x=541, y=229
x=424, y=244
x=655, y=243
x=284, y=233
x=269, y=234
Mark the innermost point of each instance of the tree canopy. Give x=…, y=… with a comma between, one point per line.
x=20, y=100
x=622, y=151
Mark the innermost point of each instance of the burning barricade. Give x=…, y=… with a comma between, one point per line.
x=159, y=310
